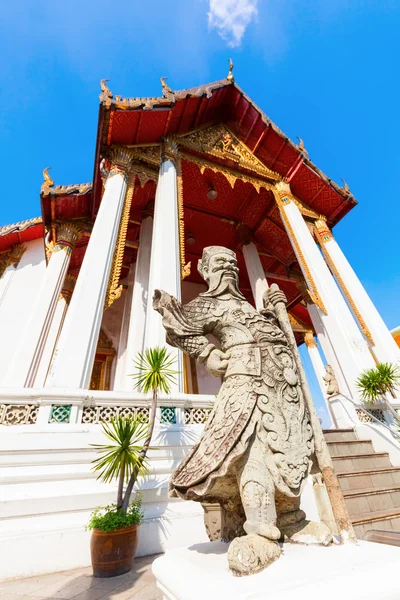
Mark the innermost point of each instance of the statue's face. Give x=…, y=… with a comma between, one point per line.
x=221, y=267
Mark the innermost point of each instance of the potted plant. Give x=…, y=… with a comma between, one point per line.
x=115, y=528
x=375, y=383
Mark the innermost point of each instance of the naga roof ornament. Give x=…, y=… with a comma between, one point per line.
x=48, y=189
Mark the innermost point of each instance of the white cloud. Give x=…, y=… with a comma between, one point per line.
x=231, y=18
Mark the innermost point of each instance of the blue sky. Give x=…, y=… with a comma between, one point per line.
x=324, y=70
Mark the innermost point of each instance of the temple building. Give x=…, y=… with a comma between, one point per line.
x=173, y=174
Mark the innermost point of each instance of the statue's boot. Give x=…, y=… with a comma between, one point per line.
x=252, y=553
x=297, y=529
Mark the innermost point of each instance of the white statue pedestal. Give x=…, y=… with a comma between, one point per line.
x=200, y=572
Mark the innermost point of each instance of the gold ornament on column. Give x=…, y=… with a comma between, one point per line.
x=284, y=197
x=169, y=149
x=121, y=162
x=68, y=287
x=310, y=340
x=114, y=290
x=68, y=234
x=324, y=236
x=185, y=267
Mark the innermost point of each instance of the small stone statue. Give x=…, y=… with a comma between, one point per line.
x=255, y=452
x=331, y=383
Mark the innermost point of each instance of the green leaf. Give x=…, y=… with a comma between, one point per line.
x=375, y=383
x=126, y=437
x=153, y=370
x=110, y=518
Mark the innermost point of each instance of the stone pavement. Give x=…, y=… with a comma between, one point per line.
x=79, y=584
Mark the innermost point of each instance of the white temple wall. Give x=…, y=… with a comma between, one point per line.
x=19, y=299
x=47, y=500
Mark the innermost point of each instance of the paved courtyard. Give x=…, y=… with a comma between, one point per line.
x=79, y=584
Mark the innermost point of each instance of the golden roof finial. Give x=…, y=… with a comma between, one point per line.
x=166, y=90
x=48, y=182
x=230, y=76
x=105, y=91
x=345, y=187
x=300, y=145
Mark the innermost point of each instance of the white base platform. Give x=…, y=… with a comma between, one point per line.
x=200, y=572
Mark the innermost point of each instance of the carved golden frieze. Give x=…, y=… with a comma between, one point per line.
x=114, y=290
x=297, y=324
x=148, y=154
x=144, y=173
x=48, y=189
x=230, y=175
x=168, y=97
x=11, y=257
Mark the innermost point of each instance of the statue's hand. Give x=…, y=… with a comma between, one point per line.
x=217, y=363
x=276, y=296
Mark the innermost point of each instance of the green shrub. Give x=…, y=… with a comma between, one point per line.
x=110, y=518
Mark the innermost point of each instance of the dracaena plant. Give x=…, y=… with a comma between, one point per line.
x=375, y=383
x=125, y=456
x=118, y=459
x=153, y=374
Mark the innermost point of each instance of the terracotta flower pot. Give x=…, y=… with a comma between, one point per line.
x=112, y=553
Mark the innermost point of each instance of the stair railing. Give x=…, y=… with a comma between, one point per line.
x=358, y=406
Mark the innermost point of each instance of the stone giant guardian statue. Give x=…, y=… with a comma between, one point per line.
x=256, y=450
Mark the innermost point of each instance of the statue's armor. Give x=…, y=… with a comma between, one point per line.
x=260, y=396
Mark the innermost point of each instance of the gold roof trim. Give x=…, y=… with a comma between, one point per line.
x=48, y=189
x=168, y=97
x=20, y=226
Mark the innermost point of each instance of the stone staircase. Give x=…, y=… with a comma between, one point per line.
x=369, y=482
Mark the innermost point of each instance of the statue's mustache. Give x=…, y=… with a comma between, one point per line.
x=218, y=286
x=226, y=269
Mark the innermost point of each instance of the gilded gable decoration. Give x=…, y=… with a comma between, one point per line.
x=220, y=142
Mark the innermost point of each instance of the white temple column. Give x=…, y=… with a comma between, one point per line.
x=350, y=348
x=55, y=330
x=26, y=360
x=319, y=368
x=256, y=273
x=75, y=352
x=120, y=369
x=370, y=321
x=165, y=267
x=134, y=320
